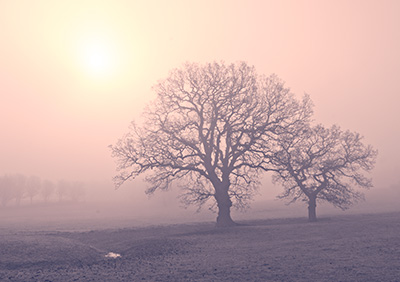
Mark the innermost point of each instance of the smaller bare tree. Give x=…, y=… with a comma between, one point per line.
x=318, y=163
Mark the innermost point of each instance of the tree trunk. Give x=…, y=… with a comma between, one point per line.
x=224, y=204
x=312, y=206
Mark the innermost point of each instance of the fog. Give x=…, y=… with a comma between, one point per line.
x=59, y=112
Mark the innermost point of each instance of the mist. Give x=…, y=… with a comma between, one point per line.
x=58, y=117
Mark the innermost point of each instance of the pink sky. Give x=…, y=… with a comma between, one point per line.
x=58, y=113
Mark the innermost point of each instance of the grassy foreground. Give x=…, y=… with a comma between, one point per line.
x=340, y=248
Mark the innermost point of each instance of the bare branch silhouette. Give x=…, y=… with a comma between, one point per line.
x=324, y=164
x=210, y=128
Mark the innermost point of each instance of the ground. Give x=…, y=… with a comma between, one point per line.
x=337, y=248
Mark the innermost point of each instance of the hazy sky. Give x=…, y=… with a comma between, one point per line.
x=73, y=74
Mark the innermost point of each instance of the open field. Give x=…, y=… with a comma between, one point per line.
x=337, y=248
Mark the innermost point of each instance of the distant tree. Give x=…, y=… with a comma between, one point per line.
x=76, y=191
x=5, y=189
x=12, y=186
x=210, y=128
x=326, y=164
x=33, y=186
x=48, y=188
x=18, y=187
x=63, y=187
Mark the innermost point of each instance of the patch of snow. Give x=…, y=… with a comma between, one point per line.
x=113, y=255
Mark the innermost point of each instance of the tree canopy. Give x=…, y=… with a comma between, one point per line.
x=211, y=130
x=327, y=164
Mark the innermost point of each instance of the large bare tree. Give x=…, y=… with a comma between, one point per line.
x=326, y=164
x=209, y=129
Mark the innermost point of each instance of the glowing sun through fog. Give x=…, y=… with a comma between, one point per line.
x=98, y=55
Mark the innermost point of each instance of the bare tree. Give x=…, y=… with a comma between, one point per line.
x=326, y=164
x=48, y=188
x=209, y=127
x=18, y=187
x=62, y=190
x=76, y=190
x=12, y=187
x=5, y=189
x=33, y=186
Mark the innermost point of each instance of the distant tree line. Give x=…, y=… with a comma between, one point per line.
x=16, y=187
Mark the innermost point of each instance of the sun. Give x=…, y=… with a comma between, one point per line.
x=97, y=59
x=98, y=56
